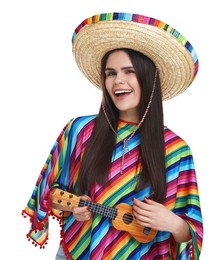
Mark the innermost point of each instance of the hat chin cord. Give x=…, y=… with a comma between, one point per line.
x=125, y=140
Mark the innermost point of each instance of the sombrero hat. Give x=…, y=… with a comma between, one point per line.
x=171, y=52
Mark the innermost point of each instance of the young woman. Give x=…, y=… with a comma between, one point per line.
x=121, y=183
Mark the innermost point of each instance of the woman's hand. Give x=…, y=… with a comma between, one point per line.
x=156, y=216
x=82, y=213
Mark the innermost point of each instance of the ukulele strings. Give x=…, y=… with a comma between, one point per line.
x=77, y=200
x=127, y=217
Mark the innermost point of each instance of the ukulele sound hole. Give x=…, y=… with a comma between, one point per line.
x=146, y=230
x=127, y=218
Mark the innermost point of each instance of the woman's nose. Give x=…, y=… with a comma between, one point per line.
x=119, y=79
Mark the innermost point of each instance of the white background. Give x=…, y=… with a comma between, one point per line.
x=41, y=89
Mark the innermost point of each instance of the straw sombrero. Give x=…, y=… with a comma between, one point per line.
x=172, y=54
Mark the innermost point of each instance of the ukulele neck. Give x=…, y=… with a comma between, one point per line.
x=105, y=211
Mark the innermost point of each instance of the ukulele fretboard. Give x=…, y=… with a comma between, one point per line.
x=105, y=211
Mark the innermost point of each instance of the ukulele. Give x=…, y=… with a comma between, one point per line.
x=121, y=215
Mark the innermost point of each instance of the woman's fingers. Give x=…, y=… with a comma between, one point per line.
x=82, y=213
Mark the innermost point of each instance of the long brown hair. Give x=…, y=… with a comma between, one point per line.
x=98, y=154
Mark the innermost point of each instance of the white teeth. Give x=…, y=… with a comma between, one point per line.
x=118, y=92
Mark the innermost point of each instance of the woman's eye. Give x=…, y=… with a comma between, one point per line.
x=130, y=71
x=110, y=73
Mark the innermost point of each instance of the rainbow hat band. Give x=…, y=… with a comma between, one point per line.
x=172, y=54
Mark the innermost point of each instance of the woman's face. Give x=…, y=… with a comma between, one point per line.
x=122, y=85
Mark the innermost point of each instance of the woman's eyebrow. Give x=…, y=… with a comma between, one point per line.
x=123, y=68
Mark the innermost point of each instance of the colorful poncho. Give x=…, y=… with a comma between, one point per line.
x=97, y=238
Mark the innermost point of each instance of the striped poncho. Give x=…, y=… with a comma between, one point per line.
x=98, y=238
